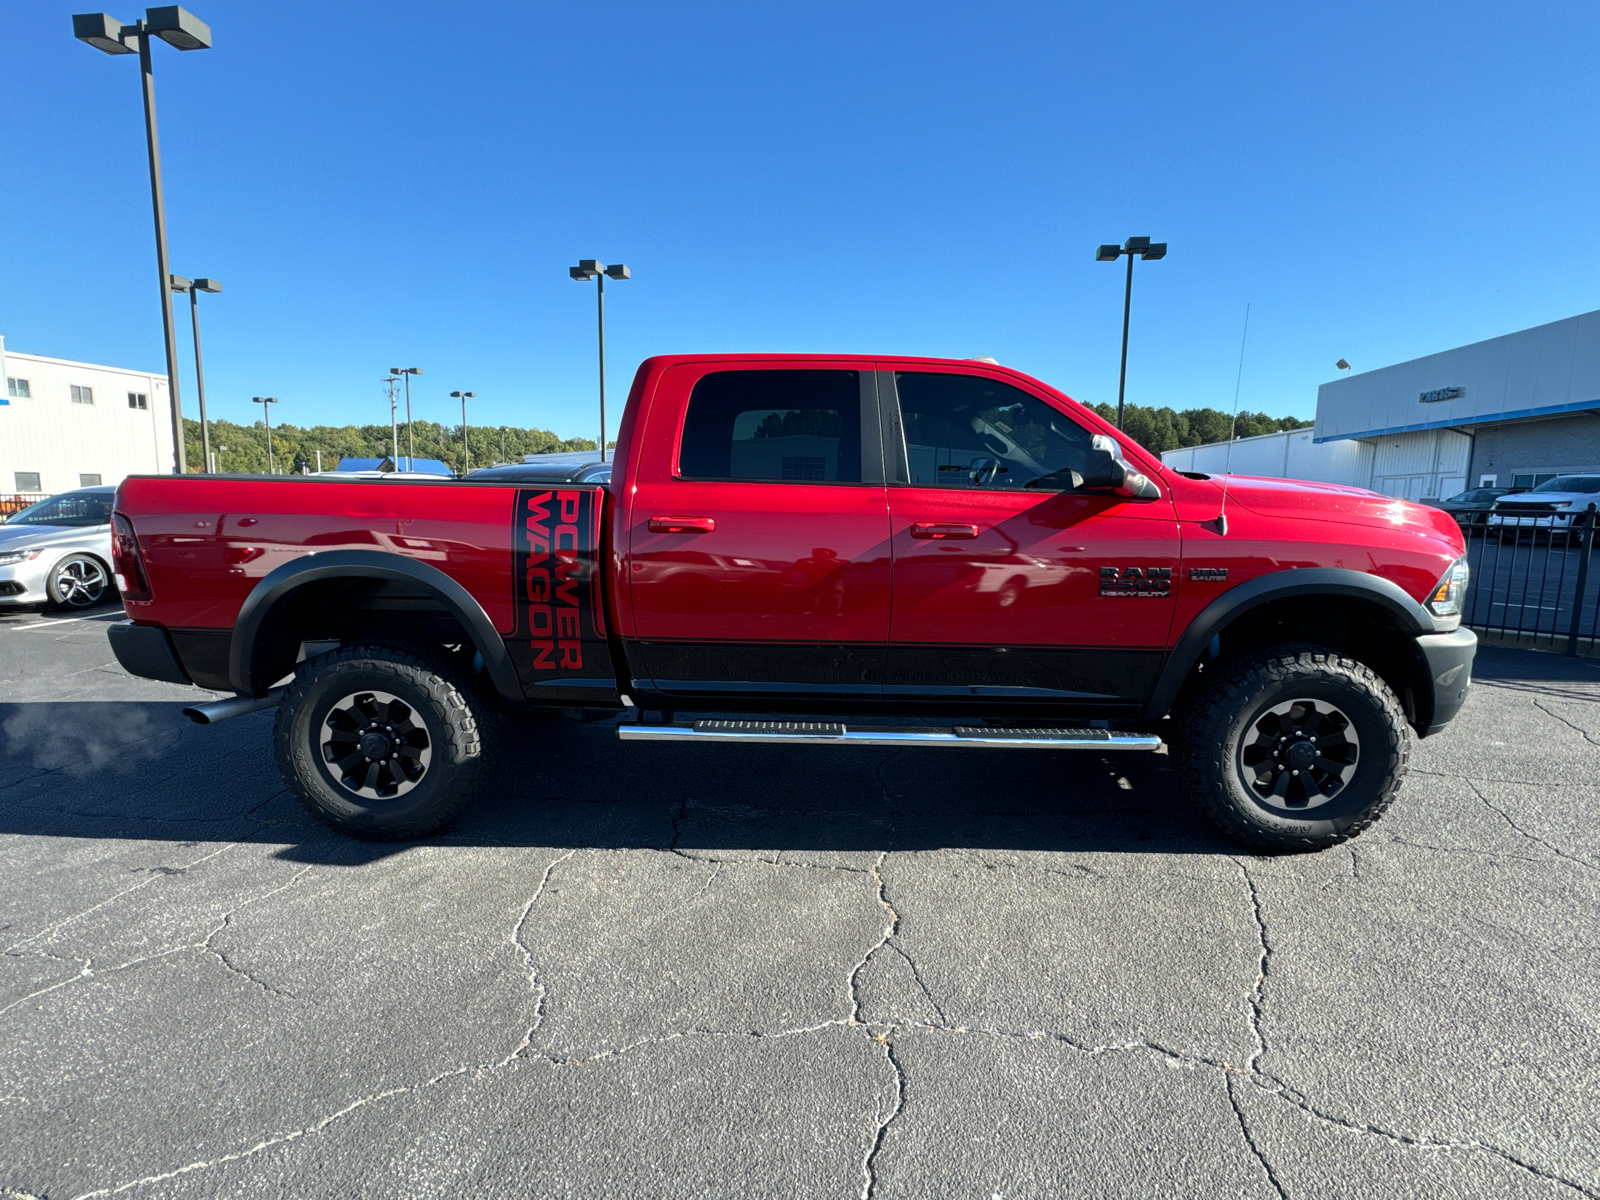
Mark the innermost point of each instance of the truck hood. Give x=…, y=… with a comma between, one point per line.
x=1301, y=500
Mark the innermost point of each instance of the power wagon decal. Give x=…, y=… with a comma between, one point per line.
x=559, y=643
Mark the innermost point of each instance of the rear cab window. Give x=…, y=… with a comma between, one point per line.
x=773, y=426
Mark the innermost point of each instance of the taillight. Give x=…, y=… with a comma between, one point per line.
x=131, y=579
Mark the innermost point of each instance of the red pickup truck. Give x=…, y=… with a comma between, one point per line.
x=813, y=548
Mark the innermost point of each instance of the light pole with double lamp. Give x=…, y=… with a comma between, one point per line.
x=1144, y=248
x=466, y=451
x=394, y=422
x=267, y=413
x=411, y=442
x=194, y=288
x=181, y=29
x=587, y=269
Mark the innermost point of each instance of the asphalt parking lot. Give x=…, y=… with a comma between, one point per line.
x=638, y=970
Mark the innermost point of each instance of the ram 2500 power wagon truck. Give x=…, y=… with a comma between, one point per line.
x=807, y=546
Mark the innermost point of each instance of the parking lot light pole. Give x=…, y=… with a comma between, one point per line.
x=589, y=268
x=1144, y=248
x=183, y=30
x=466, y=451
x=267, y=413
x=411, y=441
x=394, y=421
x=194, y=288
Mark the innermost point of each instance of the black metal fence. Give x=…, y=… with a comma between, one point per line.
x=1531, y=584
x=14, y=502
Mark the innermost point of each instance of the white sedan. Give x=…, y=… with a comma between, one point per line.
x=58, y=551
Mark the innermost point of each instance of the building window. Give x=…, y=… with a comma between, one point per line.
x=82, y=395
x=18, y=388
x=88, y=481
x=1532, y=479
x=138, y=400
x=28, y=481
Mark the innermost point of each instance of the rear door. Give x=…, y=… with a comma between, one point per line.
x=1008, y=584
x=758, y=555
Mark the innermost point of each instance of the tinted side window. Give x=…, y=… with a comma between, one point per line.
x=774, y=427
x=964, y=431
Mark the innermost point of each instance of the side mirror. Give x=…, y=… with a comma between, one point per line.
x=1106, y=468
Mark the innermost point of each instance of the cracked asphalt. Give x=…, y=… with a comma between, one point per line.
x=637, y=970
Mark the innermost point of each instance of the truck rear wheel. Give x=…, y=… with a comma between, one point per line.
x=1293, y=748
x=381, y=742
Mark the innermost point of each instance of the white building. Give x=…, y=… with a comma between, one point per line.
x=1511, y=411
x=68, y=424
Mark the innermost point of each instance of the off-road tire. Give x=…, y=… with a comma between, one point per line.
x=457, y=720
x=1225, y=709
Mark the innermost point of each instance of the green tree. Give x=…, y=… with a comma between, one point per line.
x=1161, y=429
x=242, y=449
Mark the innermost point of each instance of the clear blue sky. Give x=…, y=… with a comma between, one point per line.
x=406, y=184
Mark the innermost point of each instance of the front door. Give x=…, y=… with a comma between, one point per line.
x=1009, y=584
x=758, y=555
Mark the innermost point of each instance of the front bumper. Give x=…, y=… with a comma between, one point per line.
x=1449, y=661
x=24, y=582
x=146, y=651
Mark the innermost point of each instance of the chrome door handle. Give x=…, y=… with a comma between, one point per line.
x=682, y=524
x=942, y=530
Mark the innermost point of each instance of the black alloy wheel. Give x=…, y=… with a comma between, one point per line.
x=375, y=745
x=1299, y=754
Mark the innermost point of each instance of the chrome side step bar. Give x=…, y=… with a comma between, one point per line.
x=824, y=733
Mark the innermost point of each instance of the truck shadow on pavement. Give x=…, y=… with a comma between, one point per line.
x=141, y=771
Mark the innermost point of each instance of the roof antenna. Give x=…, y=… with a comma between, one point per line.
x=1233, y=429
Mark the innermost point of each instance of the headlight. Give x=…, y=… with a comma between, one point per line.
x=12, y=557
x=1445, y=600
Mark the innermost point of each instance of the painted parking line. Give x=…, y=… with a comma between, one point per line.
x=117, y=616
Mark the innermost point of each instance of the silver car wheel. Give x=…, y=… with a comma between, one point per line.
x=78, y=582
x=376, y=745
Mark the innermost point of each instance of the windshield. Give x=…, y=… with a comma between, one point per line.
x=69, y=508
x=1571, y=483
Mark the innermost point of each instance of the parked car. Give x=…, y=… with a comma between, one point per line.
x=1052, y=586
x=537, y=472
x=58, y=551
x=1472, y=507
x=1551, y=506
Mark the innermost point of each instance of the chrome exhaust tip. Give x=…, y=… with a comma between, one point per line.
x=235, y=706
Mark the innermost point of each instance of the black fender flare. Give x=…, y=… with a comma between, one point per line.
x=1279, y=585
x=278, y=584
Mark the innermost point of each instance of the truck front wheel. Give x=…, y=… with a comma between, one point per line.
x=381, y=742
x=1293, y=748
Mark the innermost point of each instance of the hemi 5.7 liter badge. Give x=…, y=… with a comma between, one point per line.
x=1135, y=581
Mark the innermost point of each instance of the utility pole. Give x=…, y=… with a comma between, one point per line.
x=394, y=424
x=411, y=441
